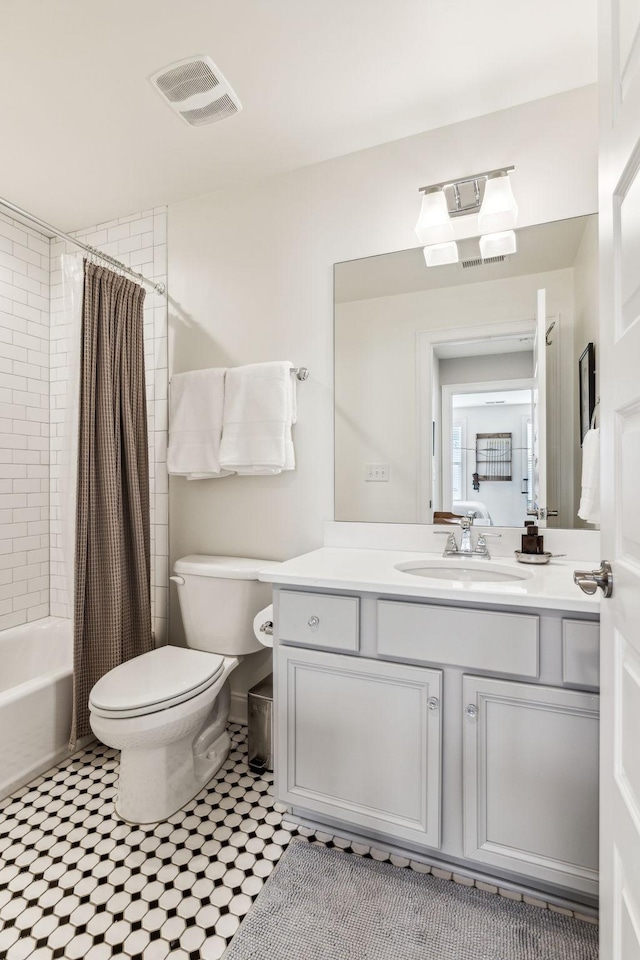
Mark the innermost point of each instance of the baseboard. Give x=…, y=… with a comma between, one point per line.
x=238, y=708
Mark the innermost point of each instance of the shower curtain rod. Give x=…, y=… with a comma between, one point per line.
x=158, y=287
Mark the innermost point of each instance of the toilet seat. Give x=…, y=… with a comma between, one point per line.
x=154, y=681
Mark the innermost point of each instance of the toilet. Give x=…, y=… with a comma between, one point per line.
x=167, y=710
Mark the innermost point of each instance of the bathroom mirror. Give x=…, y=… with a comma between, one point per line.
x=456, y=387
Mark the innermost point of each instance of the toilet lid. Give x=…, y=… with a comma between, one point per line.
x=155, y=681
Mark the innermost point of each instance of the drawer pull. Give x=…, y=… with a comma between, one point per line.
x=472, y=711
x=313, y=621
x=433, y=703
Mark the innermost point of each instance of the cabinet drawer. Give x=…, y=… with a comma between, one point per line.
x=478, y=639
x=318, y=620
x=581, y=652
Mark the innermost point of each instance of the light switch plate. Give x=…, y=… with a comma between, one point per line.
x=376, y=472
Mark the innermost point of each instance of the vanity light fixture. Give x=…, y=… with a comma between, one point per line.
x=434, y=223
x=498, y=244
x=439, y=254
x=488, y=194
x=499, y=208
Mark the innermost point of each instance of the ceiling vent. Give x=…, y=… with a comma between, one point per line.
x=197, y=91
x=479, y=262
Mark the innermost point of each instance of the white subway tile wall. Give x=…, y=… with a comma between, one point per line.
x=138, y=241
x=24, y=424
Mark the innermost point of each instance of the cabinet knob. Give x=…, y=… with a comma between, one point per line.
x=433, y=703
x=313, y=621
x=471, y=711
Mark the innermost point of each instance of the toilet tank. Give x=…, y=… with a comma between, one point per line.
x=219, y=597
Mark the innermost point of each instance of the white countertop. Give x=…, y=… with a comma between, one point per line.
x=549, y=586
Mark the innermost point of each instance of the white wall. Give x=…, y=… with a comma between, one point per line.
x=251, y=279
x=502, y=366
x=24, y=424
x=586, y=330
x=138, y=241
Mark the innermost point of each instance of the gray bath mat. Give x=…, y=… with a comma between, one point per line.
x=322, y=904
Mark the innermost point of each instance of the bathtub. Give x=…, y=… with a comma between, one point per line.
x=35, y=699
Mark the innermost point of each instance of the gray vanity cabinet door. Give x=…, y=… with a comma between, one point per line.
x=531, y=780
x=359, y=741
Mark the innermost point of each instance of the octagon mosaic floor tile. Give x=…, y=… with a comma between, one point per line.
x=76, y=882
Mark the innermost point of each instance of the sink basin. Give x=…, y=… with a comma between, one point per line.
x=462, y=571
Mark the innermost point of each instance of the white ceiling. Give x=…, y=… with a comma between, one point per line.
x=491, y=398
x=86, y=138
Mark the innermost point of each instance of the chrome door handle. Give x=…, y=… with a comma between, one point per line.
x=590, y=580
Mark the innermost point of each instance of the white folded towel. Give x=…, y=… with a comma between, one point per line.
x=589, y=508
x=259, y=411
x=195, y=424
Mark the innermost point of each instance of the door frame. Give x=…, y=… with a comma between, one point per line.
x=428, y=443
x=446, y=419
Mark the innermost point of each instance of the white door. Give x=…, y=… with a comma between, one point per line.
x=618, y=361
x=539, y=411
x=359, y=741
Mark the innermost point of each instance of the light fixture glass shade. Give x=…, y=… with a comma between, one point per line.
x=434, y=224
x=499, y=209
x=438, y=254
x=498, y=244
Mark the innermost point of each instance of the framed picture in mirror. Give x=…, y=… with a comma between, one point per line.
x=587, y=388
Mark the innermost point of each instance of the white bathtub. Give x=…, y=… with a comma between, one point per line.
x=35, y=699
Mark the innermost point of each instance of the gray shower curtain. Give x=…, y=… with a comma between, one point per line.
x=112, y=556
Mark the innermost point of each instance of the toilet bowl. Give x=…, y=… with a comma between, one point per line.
x=167, y=710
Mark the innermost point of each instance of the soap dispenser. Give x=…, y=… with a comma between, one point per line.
x=532, y=541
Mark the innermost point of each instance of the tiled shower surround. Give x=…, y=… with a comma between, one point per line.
x=34, y=395
x=24, y=424
x=138, y=241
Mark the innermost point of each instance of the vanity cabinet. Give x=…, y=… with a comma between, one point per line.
x=530, y=776
x=467, y=733
x=360, y=740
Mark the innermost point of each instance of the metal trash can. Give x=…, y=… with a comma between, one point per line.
x=260, y=709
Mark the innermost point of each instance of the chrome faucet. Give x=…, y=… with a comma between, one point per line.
x=466, y=548
x=482, y=550
x=466, y=545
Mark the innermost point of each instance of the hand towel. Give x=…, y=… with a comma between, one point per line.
x=259, y=411
x=196, y=409
x=589, y=508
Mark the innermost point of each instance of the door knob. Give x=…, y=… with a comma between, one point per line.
x=590, y=580
x=542, y=513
